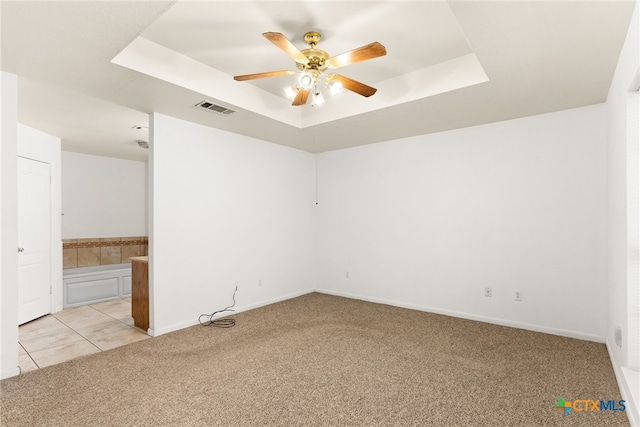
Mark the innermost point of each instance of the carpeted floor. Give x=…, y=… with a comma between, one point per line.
x=324, y=360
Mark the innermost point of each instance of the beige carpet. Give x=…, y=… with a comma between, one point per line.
x=323, y=360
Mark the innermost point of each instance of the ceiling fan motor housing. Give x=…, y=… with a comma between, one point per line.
x=317, y=58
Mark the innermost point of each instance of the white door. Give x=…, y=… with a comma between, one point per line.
x=34, y=239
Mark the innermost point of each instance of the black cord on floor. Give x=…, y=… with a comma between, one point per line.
x=219, y=323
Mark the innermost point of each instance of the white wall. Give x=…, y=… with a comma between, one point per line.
x=619, y=204
x=102, y=196
x=428, y=222
x=37, y=145
x=226, y=209
x=9, y=226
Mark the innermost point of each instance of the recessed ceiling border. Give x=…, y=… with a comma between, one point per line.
x=150, y=58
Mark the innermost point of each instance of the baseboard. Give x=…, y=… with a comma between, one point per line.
x=453, y=313
x=238, y=309
x=469, y=316
x=626, y=390
x=11, y=373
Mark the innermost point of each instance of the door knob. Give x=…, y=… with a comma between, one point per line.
x=20, y=249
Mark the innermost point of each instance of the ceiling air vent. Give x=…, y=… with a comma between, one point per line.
x=216, y=108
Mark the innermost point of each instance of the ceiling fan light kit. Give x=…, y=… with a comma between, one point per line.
x=312, y=64
x=317, y=99
x=334, y=87
x=308, y=80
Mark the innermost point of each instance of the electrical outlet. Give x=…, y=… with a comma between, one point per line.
x=487, y=292
x=347, y=275
x=518, y=295
x=617, y=336
x=259, y=282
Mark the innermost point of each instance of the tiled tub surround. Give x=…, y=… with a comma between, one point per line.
x=98, y=269
x=89, y=252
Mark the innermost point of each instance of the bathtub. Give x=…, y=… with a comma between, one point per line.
x=89, y=285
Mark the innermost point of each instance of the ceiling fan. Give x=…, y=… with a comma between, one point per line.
x=312, y=64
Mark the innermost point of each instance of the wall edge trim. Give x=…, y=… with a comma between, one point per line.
x=633, y=409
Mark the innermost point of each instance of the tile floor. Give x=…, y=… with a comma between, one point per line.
x=76, y=332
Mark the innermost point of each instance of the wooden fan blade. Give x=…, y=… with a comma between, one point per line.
x=263, y=75
x=283, y=43
x=301, y=97
x=353, y=85
x=370, y=51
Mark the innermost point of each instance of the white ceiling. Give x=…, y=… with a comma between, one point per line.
x=449, y=65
